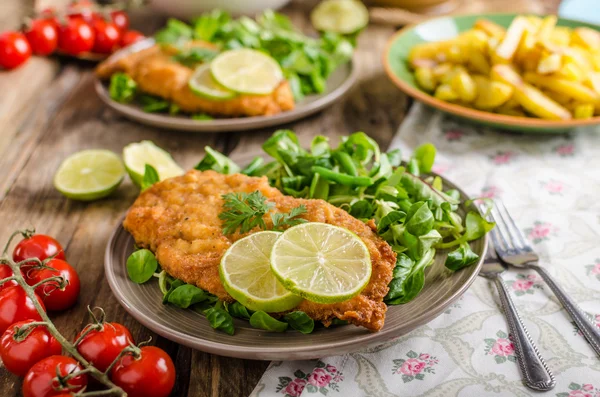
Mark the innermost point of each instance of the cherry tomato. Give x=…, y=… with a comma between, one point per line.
x=83, y=9
x=41, y=379
x=102, y=347
x=152, y=374
x=130, y=37
x=16, y=306
x=18, y=355
x=14, y=50
x=5, y=272
x=75, y=37
x=53, y=297
x=42, y=36
x=121, y=20
x=37, y=246
x=107, y=37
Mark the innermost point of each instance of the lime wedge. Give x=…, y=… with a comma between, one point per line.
x=320, y=262
x=340, y=16
x=89, y=175
x=137, y=155
x=202, y=83
x=245, y=272
x=246, y=71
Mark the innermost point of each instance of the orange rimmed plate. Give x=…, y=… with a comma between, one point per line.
x=395, y=60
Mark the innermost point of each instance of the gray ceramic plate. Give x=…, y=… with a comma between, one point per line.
x=144, y=302
x=338, y=84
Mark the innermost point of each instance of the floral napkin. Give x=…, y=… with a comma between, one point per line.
x=551, y=186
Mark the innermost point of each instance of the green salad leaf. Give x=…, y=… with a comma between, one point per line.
x=213, y=160
x=186, y=295
x=150, y=176
x=122, y=88
x=141, y=266
x=236, y=309
x=220, y=319
x=300, y=322
x=262, y=320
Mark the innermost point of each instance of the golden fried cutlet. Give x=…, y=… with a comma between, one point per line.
x=156, y=73
x=178, y=220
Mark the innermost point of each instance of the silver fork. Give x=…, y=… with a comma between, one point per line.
x=535, y=372
x=514, y=249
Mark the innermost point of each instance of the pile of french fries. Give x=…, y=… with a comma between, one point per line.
x=533, y=68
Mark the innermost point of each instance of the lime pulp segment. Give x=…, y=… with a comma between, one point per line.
x=245, y=272
x=321, y=262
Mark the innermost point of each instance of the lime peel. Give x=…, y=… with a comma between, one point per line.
x=137, y=155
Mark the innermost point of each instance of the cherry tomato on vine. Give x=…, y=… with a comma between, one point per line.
x=102, y=347
x=152, y=374
x=5, y=271
x=120, y=19
x=55, y=298
x=14, y=50
x=42, y=36
x=130, y=37
x=37, y=246
x=20, y=348
x=76, y=36
x=40, y=380
x=16, y=306
x=107, y=36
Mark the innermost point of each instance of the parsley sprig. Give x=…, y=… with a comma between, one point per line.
x=245, y=211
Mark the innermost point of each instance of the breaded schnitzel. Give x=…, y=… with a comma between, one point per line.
x=157, y=73
x=178, y=220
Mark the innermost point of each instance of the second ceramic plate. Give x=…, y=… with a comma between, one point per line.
x=144, y=302
x=338, y=84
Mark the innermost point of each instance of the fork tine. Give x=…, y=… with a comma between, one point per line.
x=497, y=238
x=514, y=233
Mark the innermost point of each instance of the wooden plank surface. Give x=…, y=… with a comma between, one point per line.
x=49, y=110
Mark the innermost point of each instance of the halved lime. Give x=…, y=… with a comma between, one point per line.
x=340, y=16
x=203, y=84
x=246, y=71
x=89, y=175
x=245, y=272
x=137, y=155
x=320, y=262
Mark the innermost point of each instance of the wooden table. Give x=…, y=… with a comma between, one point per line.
x=48, y=110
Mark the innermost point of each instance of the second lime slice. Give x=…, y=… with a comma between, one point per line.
x=321, y=262
x=203, y=84
x=246, y=71
x=245, y=272
x=137, y=155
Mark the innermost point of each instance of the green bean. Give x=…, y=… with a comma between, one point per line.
x=253, y=166
x=346, y=162
x=342, y=179
x=319, y=188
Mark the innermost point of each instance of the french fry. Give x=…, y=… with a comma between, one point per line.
x=532, y=99
x=549, y=64
x=425, y=79
x=510, y=42
x=558, y=98
x=571, y=89
x=544, y=32
x=518, y=112
x=478, y=63
x=583, y=111
x=571, y=71
x=441, y=69
x=464, y=86
x=593, y=81
x=490, y=94
x=561, y=35
x=489, y=27
x=447, y=77
x=586, y=38
x=445, y=93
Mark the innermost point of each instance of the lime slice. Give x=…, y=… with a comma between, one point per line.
x=202, y=83
x=321, y=262
x=246, y=71
x=89, y=175
x=340, y=16
x=137, y=155
x=245, y=272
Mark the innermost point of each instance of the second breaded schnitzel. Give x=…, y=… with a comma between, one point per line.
x=178, y=220
x=157, y=73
